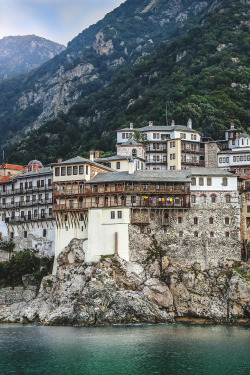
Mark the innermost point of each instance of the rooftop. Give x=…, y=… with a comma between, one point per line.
x=40, y=171
x=159, y=176
x=161, y=128
x=12, y=166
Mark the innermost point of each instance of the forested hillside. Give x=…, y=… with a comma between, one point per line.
x=203, y=74
x=92, y=60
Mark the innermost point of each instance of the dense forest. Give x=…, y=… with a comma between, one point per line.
x=203, y=74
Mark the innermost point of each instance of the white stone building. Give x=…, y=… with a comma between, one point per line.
x=26, y=211
x=172, y=147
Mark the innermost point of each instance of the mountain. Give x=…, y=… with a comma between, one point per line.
x=190, y=55
x=20, y=54
x=122, y=39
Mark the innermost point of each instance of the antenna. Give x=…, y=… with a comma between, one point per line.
x=167, y=114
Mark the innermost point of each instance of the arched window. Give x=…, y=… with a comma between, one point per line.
x=211, y=234
x=228, y=199
x=213, y=198
x=180, y=233
x=227, y=234
x=179, y=220
x=211, y=220
x=193, y=198
x=196, y=220
x=196, y=234
x=227, y=220
x=134, y=153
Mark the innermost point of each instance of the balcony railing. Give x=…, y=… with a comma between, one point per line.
x=28, y=190
x=26, y=204
x=28, y=218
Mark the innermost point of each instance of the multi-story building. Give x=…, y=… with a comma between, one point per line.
x=172, y=147
x=194, y=215
x=232, y=153
x=26, y=210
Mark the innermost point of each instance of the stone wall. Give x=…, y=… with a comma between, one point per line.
x=187, y=236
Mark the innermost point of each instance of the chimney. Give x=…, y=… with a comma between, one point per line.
x=131, y=125
x=131, y=166
x=35, y=168
x=97, y=154
x=232, y=125
x=173, y=123
x=91, y=156
x=59, y=160
x=151, y=123
x=190, y=123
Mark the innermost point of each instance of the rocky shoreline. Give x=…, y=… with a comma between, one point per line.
x=114, y=291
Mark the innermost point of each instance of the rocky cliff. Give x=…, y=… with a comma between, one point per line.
x=115, y=291
x=21, y=54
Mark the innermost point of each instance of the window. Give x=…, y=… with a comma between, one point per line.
x=112, y=215
x=28, y=198
x=180, y=233
x=201, y=181
x=49, y=182
x=228, y=199
x=193, y=181
x=224, y=181
x=12, y=235
x=211, y=220
x=133, y=199
x=30, y=185
x=209, y=181
x=196, y=234
x=22, y=214
x=42, y=183
x=119, y=214
x=118, y=165
x=25, y=234
x=211, y=234
x=35, y=213
x=179, y=220
x=193, y=198
x=227, y=234
x=213, y=198
x=50, y=211
x=3, y=200
x=26, y=185
x=123, y=136
x=87, y=169
x=248, y=197
x=75, y=170
x=63, y=171
x=227, y=220
x=81, y=169
x=44, y=233
x=69, y=171
x=42, y=213
x=220, y=160
x=134, y=153
x=248, y=209
x=173, y=156
x=65, y=217
x=195, y=220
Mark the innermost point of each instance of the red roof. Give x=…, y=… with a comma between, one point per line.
x=12, y=166
x=5, y=178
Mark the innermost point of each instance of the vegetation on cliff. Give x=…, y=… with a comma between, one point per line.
x=203, y=74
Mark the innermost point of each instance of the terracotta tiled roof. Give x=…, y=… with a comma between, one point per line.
x=12, y=166
x=5, y=178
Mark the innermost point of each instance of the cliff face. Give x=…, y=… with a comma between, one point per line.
x=114, y=291
x=21, y=54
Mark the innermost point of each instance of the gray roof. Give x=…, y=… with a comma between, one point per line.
x=112, y=158
x=243, y=151
x=158, y=176
x=131, y=142
x=243, y=135
x=40, y=171
x=161, y=128
x=80, y=160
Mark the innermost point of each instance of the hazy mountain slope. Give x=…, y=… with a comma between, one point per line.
x=21, y=54
x=203, y=75
x=123, y=38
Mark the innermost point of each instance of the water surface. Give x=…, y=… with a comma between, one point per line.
x=117, y=350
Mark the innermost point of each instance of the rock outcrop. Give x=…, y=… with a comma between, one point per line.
x=115, y=291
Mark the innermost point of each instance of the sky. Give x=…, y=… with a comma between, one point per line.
x=56, y=20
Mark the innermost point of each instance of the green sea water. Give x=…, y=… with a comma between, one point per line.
x=117, y=350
